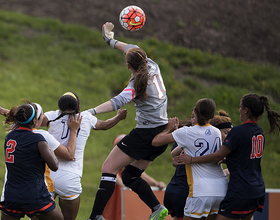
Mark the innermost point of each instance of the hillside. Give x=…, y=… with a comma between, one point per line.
x=244, y=29
x=41, y=58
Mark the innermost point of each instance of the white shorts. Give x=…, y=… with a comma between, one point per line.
x=67, y=185
x=197, y=207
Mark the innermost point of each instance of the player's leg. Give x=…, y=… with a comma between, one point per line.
x=68, y=187
x=249, y=217
x=211, y=217
x=131, y=177
x=54, y=214
x=175, y=205
x=7, y=217
x=115, y=161
x=69, y=208
x=221, y=217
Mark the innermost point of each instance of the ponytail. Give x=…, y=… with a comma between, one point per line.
x=137, y=59
x=272, y=116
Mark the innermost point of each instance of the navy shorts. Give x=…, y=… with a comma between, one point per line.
x=239, y=208
x=138, y=143
x=175, y=204
x=19, y=210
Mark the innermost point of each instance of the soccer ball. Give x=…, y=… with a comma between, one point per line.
x=132, y=18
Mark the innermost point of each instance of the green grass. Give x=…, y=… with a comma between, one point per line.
x=40, y=59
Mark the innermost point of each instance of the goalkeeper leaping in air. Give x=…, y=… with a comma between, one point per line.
x=134, y=152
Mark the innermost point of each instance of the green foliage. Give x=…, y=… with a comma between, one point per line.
x=40, y=59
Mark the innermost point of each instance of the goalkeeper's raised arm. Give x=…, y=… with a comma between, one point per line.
x=108, y=36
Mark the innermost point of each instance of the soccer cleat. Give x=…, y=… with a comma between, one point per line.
x=159, y=214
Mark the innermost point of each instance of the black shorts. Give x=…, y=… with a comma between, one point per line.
x=19, y=210
x=239, y=208
x=175, y=204
x=138, y=143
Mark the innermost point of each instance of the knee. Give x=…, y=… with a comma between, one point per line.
x=130, y=174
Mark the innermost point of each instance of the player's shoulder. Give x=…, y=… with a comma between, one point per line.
x=86, y=114
x=40, y=131
x=52, y=114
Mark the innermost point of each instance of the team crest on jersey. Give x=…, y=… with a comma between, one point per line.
x=208, y=132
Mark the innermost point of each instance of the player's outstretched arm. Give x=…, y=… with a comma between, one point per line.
x=111, y=122
x=108, y=36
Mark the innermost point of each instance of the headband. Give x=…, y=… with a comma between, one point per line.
x=39, y=110
x=224, y=125
x=31, y=117
x=71, y=94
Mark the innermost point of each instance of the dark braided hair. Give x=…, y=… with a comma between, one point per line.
x=69, y=104
x=256, y=105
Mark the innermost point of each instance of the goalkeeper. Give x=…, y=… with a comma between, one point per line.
x=134, y=152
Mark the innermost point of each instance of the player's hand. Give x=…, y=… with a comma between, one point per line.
x=172, y=125
x=122, y=113
x=183, y=159
x=108, y=34
x=161, y=185
x=74, y=122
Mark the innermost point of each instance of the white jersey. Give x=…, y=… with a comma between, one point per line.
x=52, y=142
x=204, y=179
x=59, y=129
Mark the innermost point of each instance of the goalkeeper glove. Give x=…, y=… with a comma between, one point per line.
x=108, y=34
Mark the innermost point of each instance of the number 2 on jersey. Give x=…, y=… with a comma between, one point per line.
x=11, y=145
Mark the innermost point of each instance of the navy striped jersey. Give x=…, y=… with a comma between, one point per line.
x=246, y=143
x=25, y=167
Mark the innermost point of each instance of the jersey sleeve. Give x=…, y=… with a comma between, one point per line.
x=93, y=120
x=51, y=115
x=129, y=46
x=52, y=142
x=127, y=95
x=179, y=136
x=231, y=139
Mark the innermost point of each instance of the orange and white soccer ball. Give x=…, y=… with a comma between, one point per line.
x=132, y=18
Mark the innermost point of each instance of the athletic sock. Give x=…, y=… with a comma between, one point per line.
x=145, y=193
x=104, y=193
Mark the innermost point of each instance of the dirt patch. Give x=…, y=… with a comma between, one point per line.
x=244, y=29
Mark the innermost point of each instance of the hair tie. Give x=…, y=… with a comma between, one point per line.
x=71, y=94
x=31, y=117
x=224, y=125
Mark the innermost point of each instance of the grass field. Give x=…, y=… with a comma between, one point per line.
x=40, y=59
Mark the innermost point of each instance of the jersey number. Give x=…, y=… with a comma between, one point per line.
x=257, y=147
x=11, y=145
x=157, y=83
x=203, y=146
x=66, y=130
